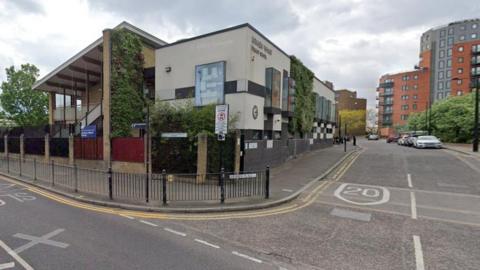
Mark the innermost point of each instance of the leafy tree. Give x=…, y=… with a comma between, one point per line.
x=21, y=104
x=304, y=97
x=355, y=120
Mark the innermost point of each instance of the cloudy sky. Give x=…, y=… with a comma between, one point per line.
x=348, y=42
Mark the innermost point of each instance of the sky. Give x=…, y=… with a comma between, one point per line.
x=348, y=42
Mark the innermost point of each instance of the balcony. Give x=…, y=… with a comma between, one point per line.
x=387, y=94
x=475, y=60
x=386, y=85
x=68, y=113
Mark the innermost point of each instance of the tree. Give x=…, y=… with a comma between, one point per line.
x=21, y=104
x=355, y=120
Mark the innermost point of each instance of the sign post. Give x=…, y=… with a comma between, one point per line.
x=221, y=127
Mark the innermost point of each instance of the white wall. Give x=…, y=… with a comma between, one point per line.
x=241, y=105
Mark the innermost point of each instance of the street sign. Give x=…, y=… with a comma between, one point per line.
x=89, y=132
x=139, y=125
x=221, y=119
x=174, y=135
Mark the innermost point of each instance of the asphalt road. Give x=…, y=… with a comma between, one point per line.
x=390, y=207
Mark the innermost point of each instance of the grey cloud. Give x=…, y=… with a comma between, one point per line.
x=29, y=6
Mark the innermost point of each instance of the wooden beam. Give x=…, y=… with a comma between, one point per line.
x=92, y=61
x=75, y=79
x=82, y=70
x=65, y=86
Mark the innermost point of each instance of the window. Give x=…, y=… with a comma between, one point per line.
x=447, y=94
x=473, y=36
x=442, y=33
x=441, y=74
x=462, y=37
x=459, y=81
x=449, y=52
x=405, y=77
x=209, y=83
x=272, y=88
x=404, y=97
x=442, y=43
x=459, y=92
x=415, y=77
x=476, y=48
x=441, y=54
x=404, y=116
x=450, y=41
x=415, y=97
x=459, y=70
x=474, y=26
x=460, y=59
x=404, y=87
x=441, y=64
x=450, y=31
x=440, y=85
x=448, y=84
x=415, y=86
x=405, y=107
x=462, y=27
x=460, y=49
x=449, y=63
x=414, y=106
x=449, y=74
x=439, y=95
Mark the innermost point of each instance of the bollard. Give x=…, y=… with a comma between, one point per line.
x=164, y=187
x=222, y=185
x=75, y=177
x=267, y=183
x=53, y=173
x=34, y=169
x=110, y=187
x=345, y=145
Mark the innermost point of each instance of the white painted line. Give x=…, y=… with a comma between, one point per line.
x=418, y=253
x=287, y=190
x=149, y=223
x=175, y=232
x=343, y=213
x=206, y=243
x=7, y=265
x=247, y=257
x=413, y=204
x=409, y=179
x=34, y=240
x=125, y=216
x=15, y=256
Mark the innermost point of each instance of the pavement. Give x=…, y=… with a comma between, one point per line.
x=287, y=182
x=462, y=148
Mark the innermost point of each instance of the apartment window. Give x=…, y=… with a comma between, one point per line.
x=448, y=84
x=441, y=64
x=405, y=97
x=414, y=106
x=442, y=43
x=462, y=27
x=441, y=54
x=449, y=52
x=475, y=48
x=442, y=33
x=474, y=26
x=272, y=87
x=460, y=49
x=460, y=59
x=441, y=74
x=459, y=93
x=459, y=81
x=459, y=70
x=404, y=87
x=449, y=63
x=415, y=86
x=209, y=83
x=415, y=97
x=462, y=37
x=405, y=107
x=450, y=41
x=450, y=31
x=473, y=36
x=440, y=85
x=404, y=116
x=449, y=74
x=415, y=77
x=405, y=78
x=439, y=95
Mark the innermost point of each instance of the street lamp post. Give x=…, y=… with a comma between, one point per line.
x=475, y=124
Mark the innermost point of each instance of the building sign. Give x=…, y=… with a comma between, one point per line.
x=260, y=49
x=174, y=135
x=221, y=119
x=255, y=112
x=209, y=83
x=89, y=132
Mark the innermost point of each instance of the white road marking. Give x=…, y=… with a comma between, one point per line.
x=175, y=232
x=375, y=194
x=413, y=204
x=7, y=265
x=246, y=257
x=409, y=179
x=206, y=243
x=15, y=256
x=149, y=223
x=287, y=190
x=45, y=239
x=125, y=216
x=418, y=253
x=351, y=214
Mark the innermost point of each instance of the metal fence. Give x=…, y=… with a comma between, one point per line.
x=140, y=187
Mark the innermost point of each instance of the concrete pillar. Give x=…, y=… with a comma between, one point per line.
x=47, y=148
x=237, y=152
x=106, y=87
x=51, y=107
x=22, y=147
x=202, y=151
x=5, y=142
x=71, y=153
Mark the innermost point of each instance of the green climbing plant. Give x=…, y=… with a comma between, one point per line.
x=304, y=98
x=126, y=82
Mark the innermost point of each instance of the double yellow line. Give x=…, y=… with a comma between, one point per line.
x=294, y=206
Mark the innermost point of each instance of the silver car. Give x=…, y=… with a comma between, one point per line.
x=427, y=142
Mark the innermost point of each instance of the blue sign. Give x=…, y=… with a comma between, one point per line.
x=89, y=131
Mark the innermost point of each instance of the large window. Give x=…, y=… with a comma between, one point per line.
x=272, y=87
x=209, y=83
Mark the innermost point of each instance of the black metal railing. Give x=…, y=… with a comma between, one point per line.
x=139, y=187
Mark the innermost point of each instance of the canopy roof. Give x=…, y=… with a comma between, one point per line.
x=71, y=76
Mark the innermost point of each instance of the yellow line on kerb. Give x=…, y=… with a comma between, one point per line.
x=308, y=200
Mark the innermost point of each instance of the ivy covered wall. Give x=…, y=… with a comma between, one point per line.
x=304, y=98
x=127, y=100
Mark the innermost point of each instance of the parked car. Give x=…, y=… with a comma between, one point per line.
x=410, y=141
x=427, y=142
x=403, y=140
x=373, y=137
x=391, y=139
